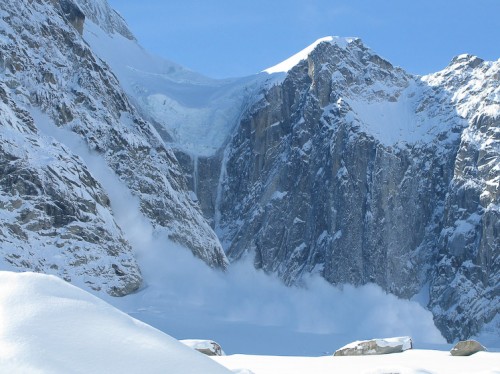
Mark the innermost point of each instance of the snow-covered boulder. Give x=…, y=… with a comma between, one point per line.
x=208, y=347
x=50, y=326
x=467, y=348
x=375, y=347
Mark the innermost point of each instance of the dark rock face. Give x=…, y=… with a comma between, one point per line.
x=203, y=175
x=73, y=14
x=316, y=193
x=465, y=287
x=99, y=12
x=352, y=169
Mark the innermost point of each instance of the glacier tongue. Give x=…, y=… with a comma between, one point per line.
x=193, y=113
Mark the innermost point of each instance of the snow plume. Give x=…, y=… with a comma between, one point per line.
x=245, y=310
x=125, y=206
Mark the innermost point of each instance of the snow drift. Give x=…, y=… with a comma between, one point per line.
x=50, y=326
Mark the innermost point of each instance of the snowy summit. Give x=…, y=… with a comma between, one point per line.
x=289, y=63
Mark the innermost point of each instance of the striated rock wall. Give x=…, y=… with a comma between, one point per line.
x=465, y=285
x=352, y=169
x=55, y=218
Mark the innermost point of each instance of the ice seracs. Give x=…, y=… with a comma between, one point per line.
x=193, y=113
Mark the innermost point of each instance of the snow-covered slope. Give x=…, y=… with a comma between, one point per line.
x=55, y=217
x=291, y=62
x=50, y=326
x=47, y=67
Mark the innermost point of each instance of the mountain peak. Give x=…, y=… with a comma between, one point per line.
x=466, y=60
x=289, y=63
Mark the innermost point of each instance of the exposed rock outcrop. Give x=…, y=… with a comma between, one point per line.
x=73, y=14
x=207, y=347
x=467, y=348
x=55, y=217
x=375, y=347
x=103, y=15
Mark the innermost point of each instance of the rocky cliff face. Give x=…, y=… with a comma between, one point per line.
x=465, y=291
x=55, y=217
x=355, y=170
x=46, y=67
x=343, y=166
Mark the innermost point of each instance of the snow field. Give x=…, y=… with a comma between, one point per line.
x=50, y=326
x=409, y=362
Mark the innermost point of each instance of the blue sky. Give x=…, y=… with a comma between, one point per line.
x=222, y=38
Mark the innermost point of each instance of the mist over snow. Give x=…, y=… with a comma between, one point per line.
x=245, y=310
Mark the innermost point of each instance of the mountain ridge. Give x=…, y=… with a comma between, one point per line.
x=345, y=166
x=373, y=210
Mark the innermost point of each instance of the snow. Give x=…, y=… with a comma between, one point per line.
x=399, y=121
x=247, y=311
x=414, y=361
x=472, y=90
x=50, y=326
x=289, y=63
x=279, y=195
x=197, y=112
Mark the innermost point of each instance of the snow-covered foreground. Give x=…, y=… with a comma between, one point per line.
x=408, y=362
x=50, y=326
